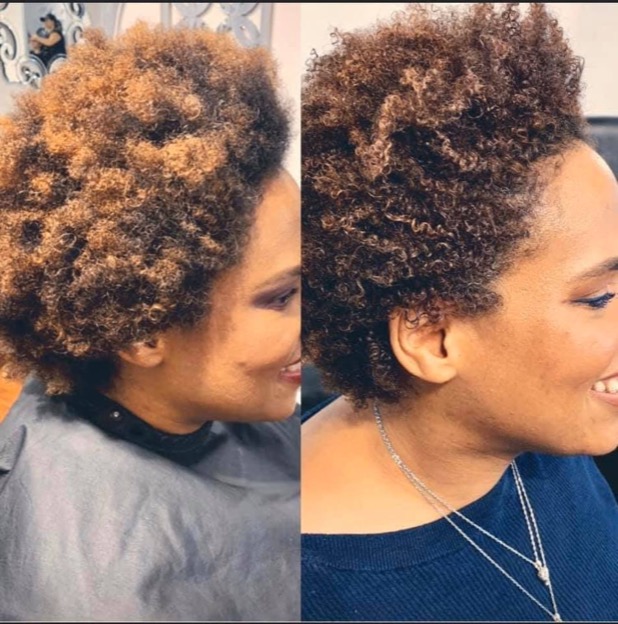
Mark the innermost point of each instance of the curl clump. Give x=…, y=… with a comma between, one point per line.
x=127, y=184
x=421, y=140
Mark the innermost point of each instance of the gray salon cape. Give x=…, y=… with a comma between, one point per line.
x=103, y=517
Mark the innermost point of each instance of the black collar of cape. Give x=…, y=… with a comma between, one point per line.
x=119, y=422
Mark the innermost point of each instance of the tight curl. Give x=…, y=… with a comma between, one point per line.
x=421, y=138
x=127, y=184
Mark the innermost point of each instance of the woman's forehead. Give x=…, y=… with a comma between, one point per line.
x=583, y=200
x=275, y=237
x=577, y=221
x=272, y=255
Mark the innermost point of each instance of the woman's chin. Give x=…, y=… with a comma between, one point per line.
x=603, y=447
x=284, y=411
x=272, y=410
x=602, y=443
x=281, y=408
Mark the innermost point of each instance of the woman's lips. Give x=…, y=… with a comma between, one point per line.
x=607, y=384
x=612, y=399
x=292, y=372
x=606, y=389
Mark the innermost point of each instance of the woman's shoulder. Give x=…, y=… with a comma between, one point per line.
x=42, y=434
x=576, y=514
x=557, y=484
x=258, y=455
x=92, y=503
x=55, y=463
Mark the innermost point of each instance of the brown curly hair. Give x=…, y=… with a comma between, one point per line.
x=127, y=184
x=420, y=140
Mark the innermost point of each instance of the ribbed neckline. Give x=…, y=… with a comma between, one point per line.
x=407, y=547
x=495, y=511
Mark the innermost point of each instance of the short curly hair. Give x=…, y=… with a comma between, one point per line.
x=127, y=184
x=420, y=140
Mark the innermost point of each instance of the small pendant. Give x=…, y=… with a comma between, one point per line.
x=557, y=617
x=542, y=572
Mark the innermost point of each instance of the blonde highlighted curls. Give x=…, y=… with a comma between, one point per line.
x=420, y=140
x=127, y=184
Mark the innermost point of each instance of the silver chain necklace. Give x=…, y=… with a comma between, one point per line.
x=539, y=562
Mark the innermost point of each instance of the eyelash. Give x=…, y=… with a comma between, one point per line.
x=281, y=301
x=598, y=303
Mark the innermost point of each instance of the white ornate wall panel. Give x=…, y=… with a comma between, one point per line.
x=20, y=19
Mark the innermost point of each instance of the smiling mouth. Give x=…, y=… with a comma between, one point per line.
x=292, y=373
x=607, y=386
x=292, y=369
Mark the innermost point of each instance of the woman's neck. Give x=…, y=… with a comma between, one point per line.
x=455, y=457
x=144, y=396
x=351, y=483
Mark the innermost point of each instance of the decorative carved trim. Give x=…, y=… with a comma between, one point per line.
x=192, y=13
x=17, y=63
x=249, y=22
x=31, y=70
x=8, y=44
x=77, y=9
x=238, y=18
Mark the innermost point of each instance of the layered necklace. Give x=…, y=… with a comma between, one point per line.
x=538, y=561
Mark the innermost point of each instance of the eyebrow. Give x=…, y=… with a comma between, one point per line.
x=599, y=270
x=280, y=277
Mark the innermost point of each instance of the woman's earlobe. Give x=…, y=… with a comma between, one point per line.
x=423, y=349
x=145, y=353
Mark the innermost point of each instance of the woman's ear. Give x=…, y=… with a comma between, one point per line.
x=426, y=350
x=145, y=354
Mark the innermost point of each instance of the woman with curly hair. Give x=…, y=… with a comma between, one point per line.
x=460, y=263
x=149, y=280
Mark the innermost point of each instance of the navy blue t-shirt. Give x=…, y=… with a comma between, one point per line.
x=431, y=573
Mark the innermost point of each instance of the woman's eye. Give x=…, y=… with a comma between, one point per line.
x=598, y=302
x=280, y=301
